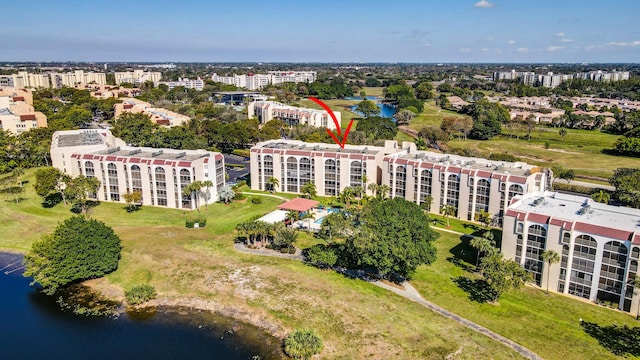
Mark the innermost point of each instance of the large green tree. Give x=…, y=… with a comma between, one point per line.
x=627, y=183
x=487, y=117
x=367, y=108
x=502, y=275
x=393, y=236
x=79, y=249
x=51, y=180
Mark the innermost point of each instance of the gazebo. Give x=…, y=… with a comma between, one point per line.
x=299, y=205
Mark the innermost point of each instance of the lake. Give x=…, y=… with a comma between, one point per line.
x=33, y=326
x=385, y=110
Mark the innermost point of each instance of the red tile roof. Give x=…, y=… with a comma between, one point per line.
x=299, y=204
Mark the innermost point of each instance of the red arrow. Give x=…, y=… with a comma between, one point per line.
x=335, y=121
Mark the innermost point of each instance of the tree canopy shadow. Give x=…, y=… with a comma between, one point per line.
x=463, y=255
x=620, y=340
x=51, y=200
x=77, y=208
x=478, y=290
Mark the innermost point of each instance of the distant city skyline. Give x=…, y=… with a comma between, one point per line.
x=462, y=31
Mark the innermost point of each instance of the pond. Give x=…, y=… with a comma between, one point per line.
x=34, y=326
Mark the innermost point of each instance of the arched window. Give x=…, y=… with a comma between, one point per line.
x=306, y=173
x=185, y=180
x=482, y=195
x=635, y=252
x=612, y=271
x=292, y=174
x=268, y=170
x=453, y=190
x=136, y=179
x=536, y=240
x=114, y=189
x=89, y=170
x=425, y=186
x=161, y=187
x=582, y=266
x=513, y=191
x=331, y=181
x=400, y=181
x=355, y=174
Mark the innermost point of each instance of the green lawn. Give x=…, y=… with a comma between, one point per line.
x=431, y=116
x=355, y=319
x=373, y=91
x=546, y=324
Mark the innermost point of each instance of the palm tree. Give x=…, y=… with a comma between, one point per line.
x=226, y=194
x=483, y=245
x=635, y=282
x=563, y=133
x=194, y=188
x=309, y=190
x=373, y=187
x=601, y=197
x=293, y=216
x=383, y=191
x=346, y=196
x=364, y=179
x=207, y=184
x=309, y=216
x=273, y=184
x=550, y=257
x=446, y=211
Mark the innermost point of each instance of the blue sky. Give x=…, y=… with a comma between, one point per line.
x=322, y=31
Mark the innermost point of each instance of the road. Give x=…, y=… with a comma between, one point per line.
x=585, y=184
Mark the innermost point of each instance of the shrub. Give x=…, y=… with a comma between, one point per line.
x=239, y=196
x=292, y=250
x=574, y=188
x=256, y=200
x=140, y=294
x=503, y=157
x=302, y=344
x=202, y=222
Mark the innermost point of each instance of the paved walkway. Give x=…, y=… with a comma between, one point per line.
x=260, y=194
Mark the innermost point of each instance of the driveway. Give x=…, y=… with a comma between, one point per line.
x=236, y=172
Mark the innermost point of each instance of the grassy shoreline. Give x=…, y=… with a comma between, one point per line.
x=356, y=319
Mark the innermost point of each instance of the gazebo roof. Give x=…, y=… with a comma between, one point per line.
x=299, y=204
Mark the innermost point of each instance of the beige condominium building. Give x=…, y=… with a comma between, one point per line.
x=137, y=77
x=598, y=245
x=468, y=184
x=76, y=78
x=270, y=110
x=161, y=175
x=158, y=116
x=17, y=114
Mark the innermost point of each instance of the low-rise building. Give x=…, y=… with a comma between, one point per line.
x=270, y=110
x=54, y=80
x=599, y=245
x=257, y=81
x=158, y=116
x=160, y=175
x=17, y=114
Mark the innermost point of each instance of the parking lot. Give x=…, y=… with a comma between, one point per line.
x=236, y=173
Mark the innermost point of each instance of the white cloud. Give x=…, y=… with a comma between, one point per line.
x=484, y=4
x=488, y=39
x=624, y=43
x=522, y=50
x=566, y=40
x=465, y=50
x=560, y=34
x=555, y=48
x=511, y=42
x=485, y=49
